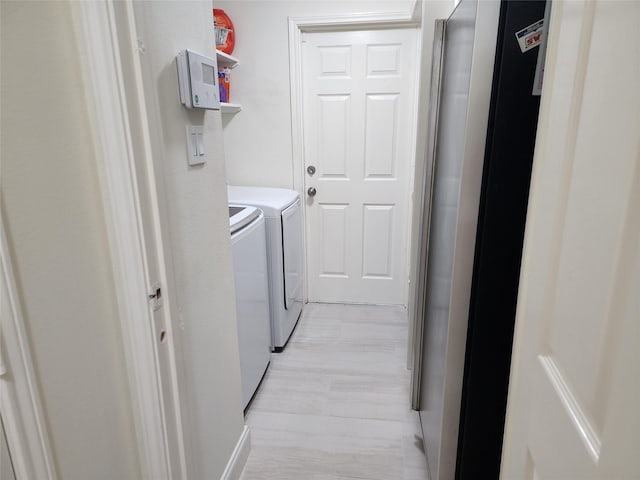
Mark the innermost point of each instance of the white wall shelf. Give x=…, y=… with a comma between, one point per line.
x=230, y=107
x=226, y=60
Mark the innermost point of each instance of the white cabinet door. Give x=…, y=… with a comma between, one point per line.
x=359, y=109
x=574, y=398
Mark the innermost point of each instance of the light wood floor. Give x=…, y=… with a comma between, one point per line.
x=335, y=403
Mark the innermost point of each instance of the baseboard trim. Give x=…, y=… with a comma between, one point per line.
x=238, y=457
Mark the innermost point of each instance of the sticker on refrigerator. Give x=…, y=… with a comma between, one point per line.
x=531, y=36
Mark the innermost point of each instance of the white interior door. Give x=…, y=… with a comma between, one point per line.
x=574, y=398
x=359, y=100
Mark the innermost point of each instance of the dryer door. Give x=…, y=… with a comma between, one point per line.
x=292, y=254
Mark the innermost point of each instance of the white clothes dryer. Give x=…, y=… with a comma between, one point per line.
x=283, y=219
x=248, y=248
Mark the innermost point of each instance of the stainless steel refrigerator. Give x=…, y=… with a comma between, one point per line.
x=487, y=67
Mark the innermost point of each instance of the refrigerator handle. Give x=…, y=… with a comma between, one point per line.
x=426, y=196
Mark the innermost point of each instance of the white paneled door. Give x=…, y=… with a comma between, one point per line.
x=359, y=109
x=574, y=399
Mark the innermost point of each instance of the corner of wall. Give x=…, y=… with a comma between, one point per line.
x=194, y=203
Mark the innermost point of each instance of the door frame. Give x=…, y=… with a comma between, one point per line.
x=107, y=78
x=20, y=401
x=334, y=23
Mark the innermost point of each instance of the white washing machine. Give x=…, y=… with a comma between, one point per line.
x=283, y=216
x=249, y=252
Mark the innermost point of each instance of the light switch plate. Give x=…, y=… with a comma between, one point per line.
x=195, y=145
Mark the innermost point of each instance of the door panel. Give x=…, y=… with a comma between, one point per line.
x=334, y=133
x=359, y=97
x=334, y=241
x=377, y=240
x=574, y=390
x=380, y=136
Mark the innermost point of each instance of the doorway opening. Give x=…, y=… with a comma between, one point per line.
x=354, y=116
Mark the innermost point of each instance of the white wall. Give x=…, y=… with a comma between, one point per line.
x=51, y=207
x=199, y=246
x=258, y=139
